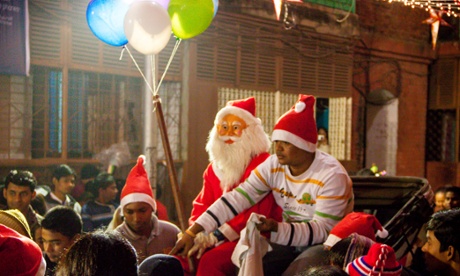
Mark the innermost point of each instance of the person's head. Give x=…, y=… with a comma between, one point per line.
x=348, y=249
x=61, y=226
x=439, y=196
x=442, y=248
x=161, y=265
x=295, y=133
x=88, y=172
x=19, y=255
x=236, y=137
x=452, y=197
x=15, y=220
x=63, y=180
x=37, y=235
x=104, y=187
x=99, y=253
x=379, y=260
x=19, y=190
x=137, y=203
x=322, y=135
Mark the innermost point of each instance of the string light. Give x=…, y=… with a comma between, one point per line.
x=450, y=8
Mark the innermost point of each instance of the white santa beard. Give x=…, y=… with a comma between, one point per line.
x=232, y=159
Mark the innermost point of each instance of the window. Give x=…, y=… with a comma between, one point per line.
x=47, y=113
x=332, y=114
x=102, y=110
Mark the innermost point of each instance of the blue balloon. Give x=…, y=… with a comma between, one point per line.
x=106, y=20
x=216, y=6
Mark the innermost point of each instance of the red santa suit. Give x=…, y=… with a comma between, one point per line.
x=217, y=260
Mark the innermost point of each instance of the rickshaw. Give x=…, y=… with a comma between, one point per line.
x=401, y=204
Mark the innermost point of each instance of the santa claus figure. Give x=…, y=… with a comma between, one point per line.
x=237, y=144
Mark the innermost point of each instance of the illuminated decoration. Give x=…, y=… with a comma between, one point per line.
x=450, y=8
x=435, y=20
x=279, y=3
x=436, y=8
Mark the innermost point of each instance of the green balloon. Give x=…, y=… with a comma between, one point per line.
x=190, y=18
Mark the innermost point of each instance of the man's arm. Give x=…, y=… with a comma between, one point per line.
x=249, y=193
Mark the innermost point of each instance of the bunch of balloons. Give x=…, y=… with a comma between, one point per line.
x=147, y=24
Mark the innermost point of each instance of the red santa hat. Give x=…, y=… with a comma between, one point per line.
x=298, y=125
x=245, y=109
x=137, y=187
x=380, y=260
x=19, y=254
x=356, y=222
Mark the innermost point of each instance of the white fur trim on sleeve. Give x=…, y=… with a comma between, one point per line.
x=228, y=232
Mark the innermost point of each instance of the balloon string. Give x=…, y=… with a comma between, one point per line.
x=139, y=69
x=153, y=66
x=122, y=51
x=173, y=53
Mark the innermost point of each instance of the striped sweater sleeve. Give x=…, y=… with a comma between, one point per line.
x=232, y=203
x=333, y=202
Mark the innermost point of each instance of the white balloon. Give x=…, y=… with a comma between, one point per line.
x=147, y=27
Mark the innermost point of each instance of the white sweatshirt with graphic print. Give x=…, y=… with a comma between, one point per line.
x=313, y=202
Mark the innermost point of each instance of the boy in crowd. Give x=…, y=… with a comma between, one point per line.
x=98, y=213
x=19, y=191
x=442, y=248
x=61, y=227
x=141, y=227
x=63, y=183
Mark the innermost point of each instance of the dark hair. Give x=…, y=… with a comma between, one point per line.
x=89, y=171
x=325, y=130
x=102, y=181
x=21, y=178
x=159, y=265
x=445, y=226
x=338, y=251
x=38, y=203
x=64, y=220
x=99, y=253
x=441, y=189
x=348, y=249
x=453, y=189
x=62, y=171
x=324, y=270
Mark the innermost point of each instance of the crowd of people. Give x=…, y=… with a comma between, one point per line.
x=289, y=213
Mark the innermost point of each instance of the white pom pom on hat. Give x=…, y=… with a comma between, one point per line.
x=298, y=125
x=356, y=222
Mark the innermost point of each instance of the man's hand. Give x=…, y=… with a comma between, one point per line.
x=183, y=245
x=202, y=242
x=267, y=225
x=185, y=241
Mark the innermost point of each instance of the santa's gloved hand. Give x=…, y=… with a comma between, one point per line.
x=202, y=242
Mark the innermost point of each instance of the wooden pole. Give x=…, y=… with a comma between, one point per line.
x=170, y=163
